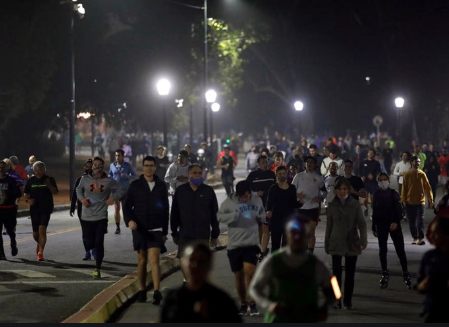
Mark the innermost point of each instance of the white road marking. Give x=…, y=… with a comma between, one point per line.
x=29, y=273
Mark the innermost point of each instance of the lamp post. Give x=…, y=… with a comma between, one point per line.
x=75, y=9
x=215, y=107
x=210, y=96
x=399, y=103
x=299, y=106
x=163, y=87
x=205, y=68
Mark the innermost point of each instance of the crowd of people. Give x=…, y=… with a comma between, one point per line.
x=271, y=217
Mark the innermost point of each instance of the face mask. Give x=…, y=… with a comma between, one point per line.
x=197, y=181
x=384, y=185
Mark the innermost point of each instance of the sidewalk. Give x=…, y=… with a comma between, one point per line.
x=396, y=304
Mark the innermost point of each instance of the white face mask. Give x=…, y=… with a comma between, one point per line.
x=384, y=184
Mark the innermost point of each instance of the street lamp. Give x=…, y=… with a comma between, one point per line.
x=163, y=87
x=76, y=9
x=399, y=103
x=215, y=107
x=298, y=105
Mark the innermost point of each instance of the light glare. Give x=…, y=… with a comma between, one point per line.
x=299, y=106
x=215, y=107
x=211, y=95
x=399, y=102
x=163, y=87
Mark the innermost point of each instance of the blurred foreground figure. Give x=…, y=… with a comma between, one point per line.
x=197, y=300
x=292, y=285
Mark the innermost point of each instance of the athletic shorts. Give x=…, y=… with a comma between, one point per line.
x=39, y=219
x=143, y=240
x=183, y=243
x=246, y=254
x=313, y=214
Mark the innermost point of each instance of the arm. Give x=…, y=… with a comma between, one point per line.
x=80, y=189
x=259, y=284
x=323, y=168
x=215, y=228
x=404, y=189
x=51, y=184
x=361, y=224
x=128, y=207
x=228, y=212
x=396, y=170
x=170, y=176
x=427, y=189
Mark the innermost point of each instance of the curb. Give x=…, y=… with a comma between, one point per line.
x=103, y=305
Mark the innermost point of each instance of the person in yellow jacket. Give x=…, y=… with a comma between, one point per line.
x=415, y=189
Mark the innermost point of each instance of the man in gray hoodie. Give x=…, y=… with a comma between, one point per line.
x=242, y=213
x=96, y=192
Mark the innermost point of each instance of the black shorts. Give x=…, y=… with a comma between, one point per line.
x=144, y=240
x=246, y=254
x=312, y=214
x=39, y=219
x=184, y=242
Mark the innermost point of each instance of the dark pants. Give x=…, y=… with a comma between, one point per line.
x=94, y=233
x=350, y=262
x=228, y=183
x=83, y=233
x=415, y=216
x=9, y=220
x=278, y=237
x=398, y=241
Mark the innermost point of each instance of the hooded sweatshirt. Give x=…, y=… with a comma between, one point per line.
x=242, y=220
x=97, y=191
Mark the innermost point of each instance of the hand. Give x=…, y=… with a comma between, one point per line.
x=110, y=201
x=85, y=202
x=132, y=225
x=393, y=227
x=269, y=214
x=213, y=242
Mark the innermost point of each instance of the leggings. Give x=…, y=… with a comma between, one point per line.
x=398, y=240
x=94, y=235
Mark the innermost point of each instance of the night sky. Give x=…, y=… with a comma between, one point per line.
x=320, y=51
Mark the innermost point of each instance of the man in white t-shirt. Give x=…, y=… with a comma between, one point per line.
x=401, y=168
x=308, y=185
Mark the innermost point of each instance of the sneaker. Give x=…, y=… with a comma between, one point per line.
x=407, y=280
x=421, y=242
x=157, y=297
x=117, y=231
x=87, y=256
x=415, y=241
x=40, y=256
x=142, y=296
x=243, y=309
x=384, y=279
x=96, y=274
x=253, y=310
x=14, y=250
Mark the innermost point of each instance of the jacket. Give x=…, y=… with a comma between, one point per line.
x=415, y=188
x=149, y=209
x=345, y=228
x=387, y=208
x=194, y=213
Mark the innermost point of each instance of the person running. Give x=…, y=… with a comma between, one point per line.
x=177, y=172
x=281, y=204
x=78, y=206
x=333, y=157
x=345, y=236
x=9, y=193
x=278, y=161
x=308, y=185
x=242, y=212
x=122, y=172
x=433, y=276
x=227, y=165
x=162, y=162
x=146, y=214
x=193, y=214
x=387, y=215
x=39, y=191
x=289, y=282
x=17, y=167
x=29, y=168
x=415, y=190
x=251, y=159
x=197, y=300
x=357, y=186
x=401, y=168
x=329, y=182
x=191, y=156
x=96, y=192
x=260, y=181
x=313, y=152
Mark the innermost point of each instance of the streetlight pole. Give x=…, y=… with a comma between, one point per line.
x=215, y=107
x=163, y=87
x=299, y=106
x=399, y=103
x=205, y=69
x=72, y=115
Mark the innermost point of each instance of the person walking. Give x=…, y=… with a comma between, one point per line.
x=401, y=168
x=76, y=204
x=193, y=214
x=39, y=191
x=9, y=193
x=177, y=172
x=387, y=216
x=242, y=212
x=281, y=204
x=96, y=192
x=29, y=168
x=333, y=157
x=288, y=283
x=122, y=172
x=345, y=236
x=308, y=185
x=415, y=190
x=197, y=300
x=227, y=165
x=162, y=162
x=146, y=214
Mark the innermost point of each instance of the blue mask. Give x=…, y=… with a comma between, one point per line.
x=197, y=181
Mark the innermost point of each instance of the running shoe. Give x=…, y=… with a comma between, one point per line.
x=117, y=231
x=421, y=242
x=157, y=297
x=40, y=256
x=14, y=249
x=384, y=279
x=243, y=309
x=407, y=280
x=253, y=310
x=415, y=241
x=96, y=274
